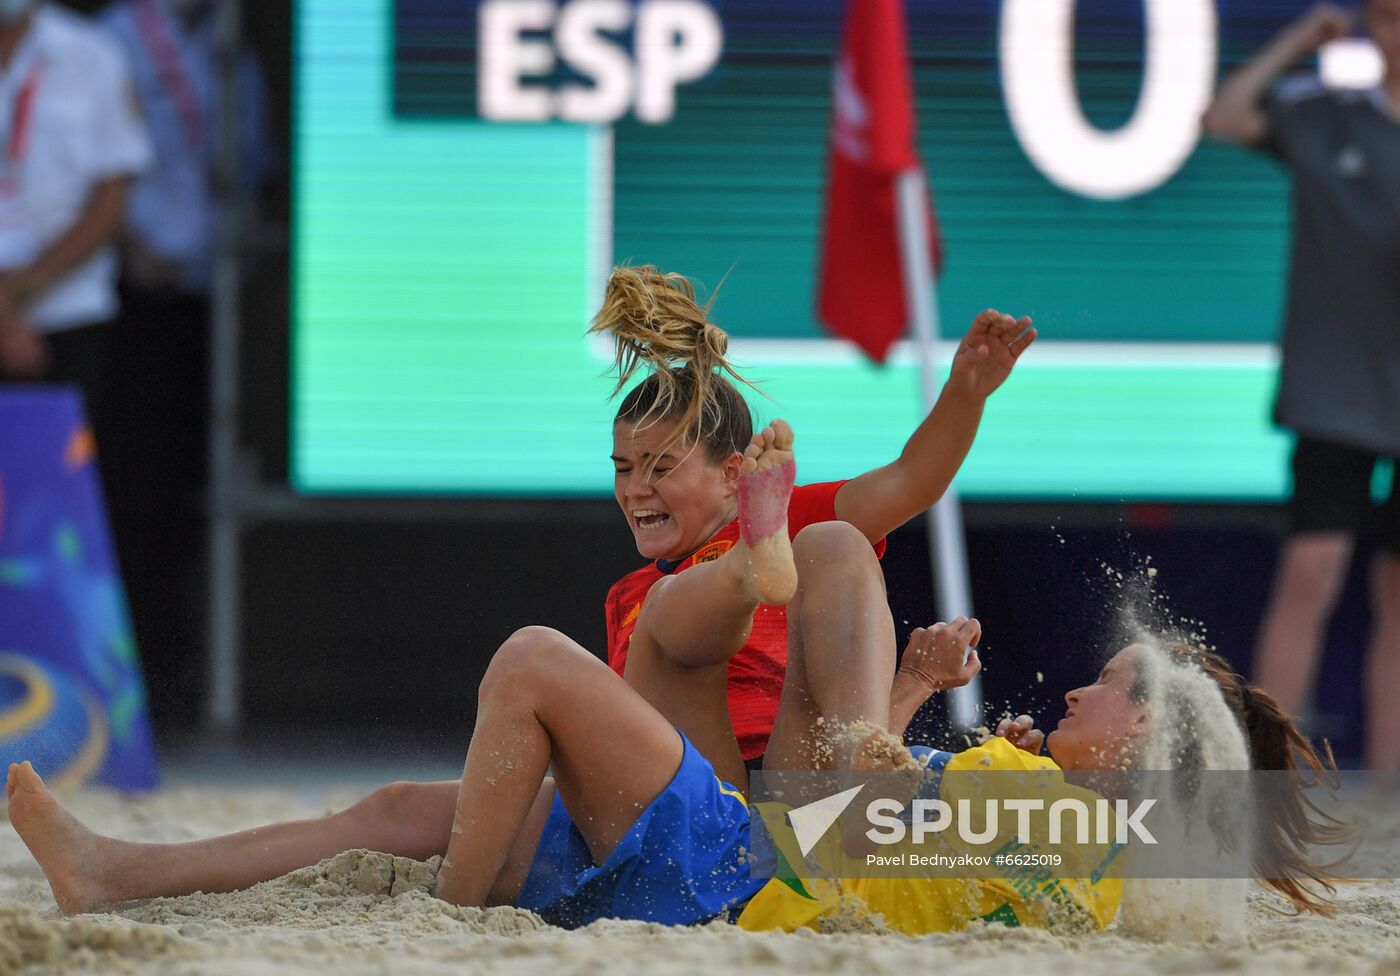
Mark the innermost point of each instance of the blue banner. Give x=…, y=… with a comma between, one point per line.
x=71, y=695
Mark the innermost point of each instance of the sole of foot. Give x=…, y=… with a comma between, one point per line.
x=765, y=488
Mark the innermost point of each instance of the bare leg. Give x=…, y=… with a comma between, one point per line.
x=841, y=651
x=88, y=871
x=1383, y=667
x=693, y=622
x=604, y=725
x=1311, y=571
x=546, y=702
x=703, y=616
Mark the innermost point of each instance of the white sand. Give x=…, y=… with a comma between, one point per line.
x=340, y=919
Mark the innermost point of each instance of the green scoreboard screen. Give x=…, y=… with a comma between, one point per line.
x=454, y=223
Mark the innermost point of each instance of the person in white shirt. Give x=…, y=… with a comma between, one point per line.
x=71, y=140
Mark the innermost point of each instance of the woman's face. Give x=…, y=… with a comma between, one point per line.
x=1102, y=725
x=676, y=506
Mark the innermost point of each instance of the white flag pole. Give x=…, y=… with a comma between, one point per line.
x=947, y=544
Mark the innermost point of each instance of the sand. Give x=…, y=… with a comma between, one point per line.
x=369, y=913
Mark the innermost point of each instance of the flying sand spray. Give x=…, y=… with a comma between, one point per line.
x=1192, y=731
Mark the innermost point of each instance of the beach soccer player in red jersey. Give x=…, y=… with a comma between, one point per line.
x=579, y=799
x=678, y=442
x=635, y=820
x=587, y=795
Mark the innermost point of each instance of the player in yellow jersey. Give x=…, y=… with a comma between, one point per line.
x=1107, y=726
x=917, y=905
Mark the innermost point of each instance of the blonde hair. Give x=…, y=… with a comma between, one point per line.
x=658, y=324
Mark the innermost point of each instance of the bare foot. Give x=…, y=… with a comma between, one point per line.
x=765, y=487
x=863, y=746
x=875, y=750
x=65, y=849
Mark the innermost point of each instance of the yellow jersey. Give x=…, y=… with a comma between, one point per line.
x=921, y=905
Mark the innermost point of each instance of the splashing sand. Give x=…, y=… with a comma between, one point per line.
x=1192, y=731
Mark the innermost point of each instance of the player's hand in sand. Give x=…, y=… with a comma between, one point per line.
x=989, y=352
x=766, y=478
x=1021, y=733
x=943, y=656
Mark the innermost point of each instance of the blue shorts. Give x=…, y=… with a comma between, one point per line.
x=684, y=861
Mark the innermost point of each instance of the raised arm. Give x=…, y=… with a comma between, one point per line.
x=880, y=501
x=1235, y=115
x=936, y=659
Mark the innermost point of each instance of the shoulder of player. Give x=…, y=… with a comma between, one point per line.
x=999, y=753
x=806, y=497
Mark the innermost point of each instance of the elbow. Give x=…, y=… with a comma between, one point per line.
x=924, y=495
x=1226, y=123
x=1210, y=123
x=107, y=210
x=918, y=487
x=1215, y=123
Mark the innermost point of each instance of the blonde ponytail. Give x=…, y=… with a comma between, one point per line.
x=657, y=324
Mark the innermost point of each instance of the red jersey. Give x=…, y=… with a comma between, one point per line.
x=756, y=673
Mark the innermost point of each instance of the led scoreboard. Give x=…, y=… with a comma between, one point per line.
x=467, y=172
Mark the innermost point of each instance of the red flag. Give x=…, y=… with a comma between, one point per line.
x=872, y=142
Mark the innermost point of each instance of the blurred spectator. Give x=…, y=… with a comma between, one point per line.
x=163, y=351
x=70, y=141
x=1340, y=384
